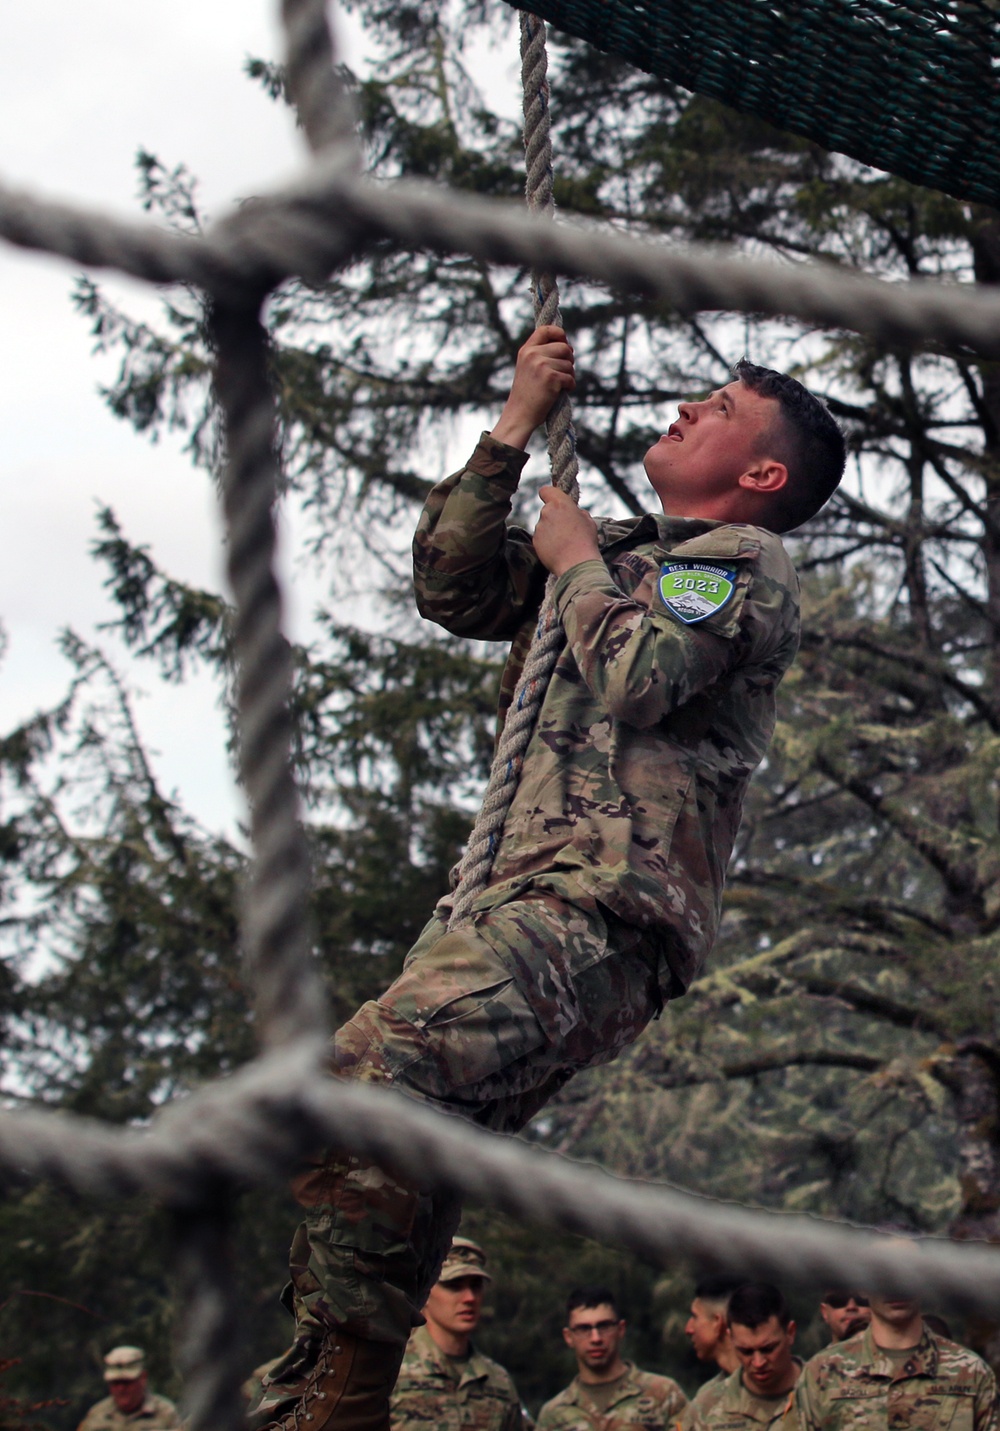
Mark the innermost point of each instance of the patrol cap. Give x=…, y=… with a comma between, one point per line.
x=465, y=1259
x=124, y=1364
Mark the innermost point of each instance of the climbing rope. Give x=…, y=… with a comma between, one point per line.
x=540, y=661
x=540, y=198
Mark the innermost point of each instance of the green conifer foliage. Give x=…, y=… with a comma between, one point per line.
x=840, y=1054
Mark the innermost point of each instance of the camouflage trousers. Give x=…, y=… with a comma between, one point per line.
x=486, y=1022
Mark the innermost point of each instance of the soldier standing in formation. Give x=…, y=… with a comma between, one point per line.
x=444, y=1383
x=711, y=1340
x=607, y=1393
x=894, y=1374
x=845, y=1313
x=758, y=1395
x=130, y=1403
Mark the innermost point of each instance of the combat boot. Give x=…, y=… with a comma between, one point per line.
x=348, y=1388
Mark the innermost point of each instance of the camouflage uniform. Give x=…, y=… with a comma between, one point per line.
x=155, y=1414
x=605, y=895
x=855, y=1386
x=643, y=1402
x=736, y=1408
x=702, y=1402
x=432, y=1394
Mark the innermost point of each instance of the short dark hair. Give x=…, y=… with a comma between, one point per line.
x=716, y=1289
x=807, y=439
x=755, y=1303
x=592, y=1295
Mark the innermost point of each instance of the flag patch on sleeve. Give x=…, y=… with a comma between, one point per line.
x=692, y=591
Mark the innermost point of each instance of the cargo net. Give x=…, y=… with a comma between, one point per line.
x=200, y=1152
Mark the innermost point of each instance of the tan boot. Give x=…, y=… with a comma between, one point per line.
x=348, y=1388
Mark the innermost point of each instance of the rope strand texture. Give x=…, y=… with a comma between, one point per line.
x=540, y=199
x=540, y=662
x=318, y=92
x=289, y=997
x=253, y=1128
x=322, y=218
x=209, y=1333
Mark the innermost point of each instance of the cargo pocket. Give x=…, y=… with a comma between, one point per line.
x=470, y=1020
x=544, y=942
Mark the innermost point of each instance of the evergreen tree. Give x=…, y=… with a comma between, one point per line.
x=840, y=1054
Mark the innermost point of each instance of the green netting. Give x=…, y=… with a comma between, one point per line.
x=912, y=87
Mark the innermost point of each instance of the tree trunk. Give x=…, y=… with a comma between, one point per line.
x=974, y=1078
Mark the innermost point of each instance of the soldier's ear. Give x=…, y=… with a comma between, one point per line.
x=766, y=476
x=567, y=1336
x=791, y=1331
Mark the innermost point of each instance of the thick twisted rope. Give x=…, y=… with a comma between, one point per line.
x=320, y=98
x=208, y=1337
x=540, y=661
x=253, y=1128
x=538, y=192
x=290, y=1001
x=322, y=218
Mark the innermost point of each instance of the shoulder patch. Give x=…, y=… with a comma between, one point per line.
x=694, y=590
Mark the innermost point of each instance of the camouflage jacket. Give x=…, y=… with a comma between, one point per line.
x=853, y=1386
x=644, y=1400
x=633, y=784
x=702, y=1402
x=428, y=1398
x=736, y=1408
x=155, y=1414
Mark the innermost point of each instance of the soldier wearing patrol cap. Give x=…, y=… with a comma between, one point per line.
x=444, y=1383
x=130, y=1403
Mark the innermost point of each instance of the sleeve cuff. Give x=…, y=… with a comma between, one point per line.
x=496, y=461
x=586, y=576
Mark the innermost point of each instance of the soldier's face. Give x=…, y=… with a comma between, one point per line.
x=765, y=1354
x=715, y=440
x=705, y=1327
x=845, y=1313
x=129, y=1395
x=456, y=1306
x=894, y=1311
x=595, y=1335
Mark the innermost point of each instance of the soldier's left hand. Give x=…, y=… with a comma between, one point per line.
x=565, y=533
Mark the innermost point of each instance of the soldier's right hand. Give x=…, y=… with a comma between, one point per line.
x=544, y=369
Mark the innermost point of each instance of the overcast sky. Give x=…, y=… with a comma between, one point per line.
x=82, y=88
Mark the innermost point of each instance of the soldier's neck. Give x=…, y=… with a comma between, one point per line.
x=897, y=1338
x=725, y=1357
x=590, y=1377
x=454, y=1344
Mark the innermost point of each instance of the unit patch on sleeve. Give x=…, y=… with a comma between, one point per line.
x=695, y=590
